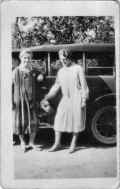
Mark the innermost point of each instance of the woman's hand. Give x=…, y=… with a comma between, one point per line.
x=45, y=105
x=83, y=104
x=44, y=102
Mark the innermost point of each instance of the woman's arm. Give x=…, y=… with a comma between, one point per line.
x=54, y=89
x=84, y=86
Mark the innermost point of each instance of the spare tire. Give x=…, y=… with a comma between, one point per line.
x=103, y=125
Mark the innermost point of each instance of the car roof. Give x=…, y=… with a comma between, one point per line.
x=83, y=47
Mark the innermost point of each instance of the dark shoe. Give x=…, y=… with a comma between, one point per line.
x=14, y=143
x=29, y=147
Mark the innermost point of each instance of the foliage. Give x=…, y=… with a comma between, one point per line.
x=35, y=31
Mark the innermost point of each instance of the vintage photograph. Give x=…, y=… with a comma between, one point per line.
x=60, y=94
x=63, y=97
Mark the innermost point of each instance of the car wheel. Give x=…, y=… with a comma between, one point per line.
x=103, y=125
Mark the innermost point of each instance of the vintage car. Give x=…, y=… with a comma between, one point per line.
x=98, y=61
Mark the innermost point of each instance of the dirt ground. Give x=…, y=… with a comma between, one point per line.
x=88, y=160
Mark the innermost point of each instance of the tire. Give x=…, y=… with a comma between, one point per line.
x=103, y=125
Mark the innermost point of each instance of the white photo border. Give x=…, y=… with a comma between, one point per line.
x=10, y=10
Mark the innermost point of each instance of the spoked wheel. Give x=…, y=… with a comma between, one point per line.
x=104, y=125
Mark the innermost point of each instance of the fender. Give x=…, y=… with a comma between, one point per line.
x=107, y=99
x=109, y=96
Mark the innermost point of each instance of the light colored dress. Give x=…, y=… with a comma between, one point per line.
x=70, y=116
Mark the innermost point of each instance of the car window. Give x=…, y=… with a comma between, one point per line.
x=99, y=63
x=55, y=63
x=39, y=61
x=77, y=57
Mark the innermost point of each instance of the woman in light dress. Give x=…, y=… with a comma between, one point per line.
x=70, y=115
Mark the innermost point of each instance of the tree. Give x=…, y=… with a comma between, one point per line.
x=35, y=31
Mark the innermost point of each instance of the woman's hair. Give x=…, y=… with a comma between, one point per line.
x=64, y=52
x=23, y=52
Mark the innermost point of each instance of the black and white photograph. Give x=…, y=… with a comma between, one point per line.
x=60, y=97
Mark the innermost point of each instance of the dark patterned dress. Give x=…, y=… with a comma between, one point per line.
x=24, y=109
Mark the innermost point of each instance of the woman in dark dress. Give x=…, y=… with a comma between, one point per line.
x=24, y=111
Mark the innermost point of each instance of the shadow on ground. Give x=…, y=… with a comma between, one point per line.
x=45, y=139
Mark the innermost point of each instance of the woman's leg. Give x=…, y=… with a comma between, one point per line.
x=73, y=143
x=33, y=127
x=32, y=136
x=22, y=142
x=57, y=141
x=18, y=127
